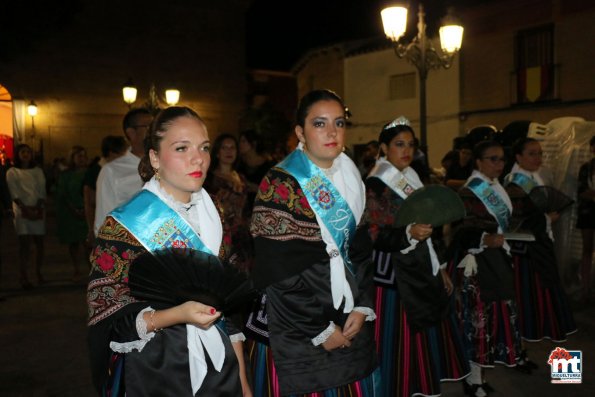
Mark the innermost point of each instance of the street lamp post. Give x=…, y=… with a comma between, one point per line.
x=32, y=111
x=129, y=91
x=421, y=53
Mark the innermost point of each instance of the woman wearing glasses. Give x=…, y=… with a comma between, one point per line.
x=484, y=269
x=417, y=334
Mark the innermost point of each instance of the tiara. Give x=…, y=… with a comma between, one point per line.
x=401, y=120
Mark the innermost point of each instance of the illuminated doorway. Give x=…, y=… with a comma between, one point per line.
x=6, y=126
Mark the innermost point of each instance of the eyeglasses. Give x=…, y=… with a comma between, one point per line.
x=495, y=159
x=403, y=144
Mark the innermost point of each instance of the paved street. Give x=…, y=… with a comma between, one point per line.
x=43, y=350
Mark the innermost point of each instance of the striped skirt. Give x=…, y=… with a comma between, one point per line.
x=543, y=311
x=490, y=332
x=265, y=383
x=414, y=363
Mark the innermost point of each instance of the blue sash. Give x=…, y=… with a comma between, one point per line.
x=156, y=225
x=522, y=180
x=491, y=200
x=325, y=200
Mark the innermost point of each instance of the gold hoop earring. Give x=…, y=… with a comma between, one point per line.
x=157, y=177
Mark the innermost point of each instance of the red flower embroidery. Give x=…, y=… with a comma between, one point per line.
x=125, y=255
x=227, y=239
x=264, y=185
x=304, y=202
x=178, y=244
x=282, y=191
x=105, y=262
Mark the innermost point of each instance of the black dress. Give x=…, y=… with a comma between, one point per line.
x=162, y=367
x=293, y=265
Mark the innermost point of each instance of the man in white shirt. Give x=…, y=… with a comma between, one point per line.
x=119, y=179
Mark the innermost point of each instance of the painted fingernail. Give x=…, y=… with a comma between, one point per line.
x=213, y=311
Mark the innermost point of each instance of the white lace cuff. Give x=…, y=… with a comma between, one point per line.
x=368, y=311
x=239, y=337
x=324, y=335
x=141, y=330
x=411, y=240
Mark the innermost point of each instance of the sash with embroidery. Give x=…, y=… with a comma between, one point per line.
x=325, y=200
x=491, y=200
x=156, y=225
x=522, y=180
x=392, y=178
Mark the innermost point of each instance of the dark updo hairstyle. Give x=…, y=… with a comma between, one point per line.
x=519, y=145
x=480, y=149
x=160, y=126
x=310, y=99
x=17, y=160
x=217, y=146
x=388, y=134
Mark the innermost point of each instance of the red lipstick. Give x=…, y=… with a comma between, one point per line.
x=196, y=174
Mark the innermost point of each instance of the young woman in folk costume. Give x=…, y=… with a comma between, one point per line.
x=542, y=305
x=417, y=334
x=183, y=350
x=314, y=263
x=484, y=270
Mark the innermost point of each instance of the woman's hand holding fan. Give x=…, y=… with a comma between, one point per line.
x=172, y=277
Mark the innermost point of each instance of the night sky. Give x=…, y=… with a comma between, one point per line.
x=306, y=24
x=278, y=32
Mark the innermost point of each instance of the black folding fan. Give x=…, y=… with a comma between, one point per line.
x=172, y=277
x=433, y=204
x=549, y=199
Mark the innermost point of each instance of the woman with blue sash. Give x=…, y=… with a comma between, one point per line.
x=313, y=261
x=484, y=273
x=543, y=309
x=417, y=333
x=141, y=348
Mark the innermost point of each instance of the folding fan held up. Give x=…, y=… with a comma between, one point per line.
x=172, y=277
x=436, y=205
x=549, y=199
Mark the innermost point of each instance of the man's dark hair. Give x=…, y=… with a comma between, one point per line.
x=130, y=117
